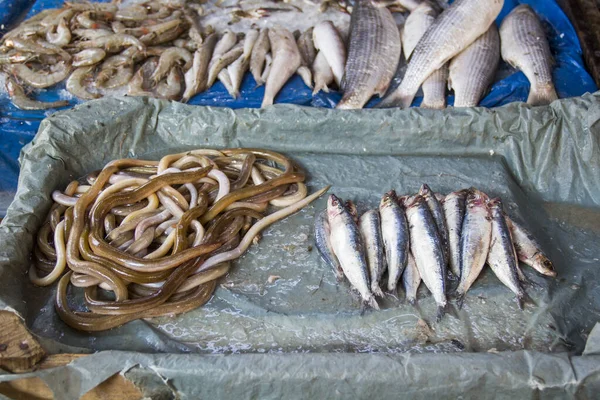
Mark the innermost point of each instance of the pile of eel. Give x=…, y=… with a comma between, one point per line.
x=150, y=238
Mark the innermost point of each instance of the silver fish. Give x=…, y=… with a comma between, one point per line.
x=259, y=53
x=286, y=60
x=322, y=74
x=370, y=230
x=472, y=71
x=475, y=241
x=426, y=248
x=524, y=46
x=327, y=39
x=455, y=29
x=502, y=257
x=373, y=36
x=528, y=250
x=347, y=246
x=323, y=243
x=396, y=238
x=454, y=212
x=411, y=279
x=196, y=77
x=437, y=212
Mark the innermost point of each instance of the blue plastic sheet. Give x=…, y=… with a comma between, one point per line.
x=571, y=79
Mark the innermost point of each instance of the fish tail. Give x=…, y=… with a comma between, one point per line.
x=441, y=311
x=542, y=95
x=376, y=290
x=373, y=303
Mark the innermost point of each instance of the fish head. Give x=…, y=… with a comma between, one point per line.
x=546, y=266
x=388, y=199
x=335, y=206
x=425, y=190
x=476, y=198
x=414, y=201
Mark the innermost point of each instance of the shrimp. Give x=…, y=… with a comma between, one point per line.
x=156, y=29
x=55, y=18
x=16, y=57
x=133, y=13
x=118, y=27
x=88, y=57
x=91, y=34
x=41, y=80
x=75, y=83
x=138, y=85
x=169, y=58
x=153, y=38
x=62, y=36
x=172, y=87
x=87, y=19
x=40, y=47
x=113, y=42
x=107, y=7
x=115, y=71
x=187, y=44
x=21, y=101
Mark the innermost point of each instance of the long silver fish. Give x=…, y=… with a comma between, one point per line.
x=259, y=53
x=454, y=212
x=327, y=39
x=348, y=248
x=411, y=279
x=196, y=77
x=286, y=60
x=525, y=47
x=396, y=237
x=374, y=36
x=455, y=29
x=502, y=257
x=426, y=247
x=528, y=250
x=475, y=239
x=472, y=71
x=323, y=243
x=437, y=212
x=370, y=229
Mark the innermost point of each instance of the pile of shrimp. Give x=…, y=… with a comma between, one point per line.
x=150, y=238
x=155, y=48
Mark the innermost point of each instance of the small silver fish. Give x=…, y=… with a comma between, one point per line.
x=370, y=229
x=411, y=279
x=454, y=211
x=348, y=248
x=475, y=239
x=323, y=243
x=529, y=251
x=437, y=212
x=396, y=238
x=502, y=257
x=426, y=248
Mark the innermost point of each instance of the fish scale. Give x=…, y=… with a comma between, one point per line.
x=457, y=27
x=524, y=46
x=373, y=36
x=472, y=71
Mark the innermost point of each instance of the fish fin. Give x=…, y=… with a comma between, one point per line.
x=377, y=290
x=373, y=303
x=441, y=311
x=539, y=96
x=524, y=298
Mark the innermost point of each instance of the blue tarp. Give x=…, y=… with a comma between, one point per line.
x=571, y=79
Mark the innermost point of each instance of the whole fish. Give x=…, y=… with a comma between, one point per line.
x=370, y=230
x=426, y=247
x=437, y=212
x=327, y=39
x=411, y=279
x=286, y=60
x=454, y=212
x=196, y=77
x=322, y=74
x=525, y=47
x=323, y=243
x=472, y=71
x=455, y=29
x=347, y=246
x=528, y=250
x=475, y=239
x=396, y=238
x=502, y=257
x=259, y=53
x=223, y=61
x=373, y=36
